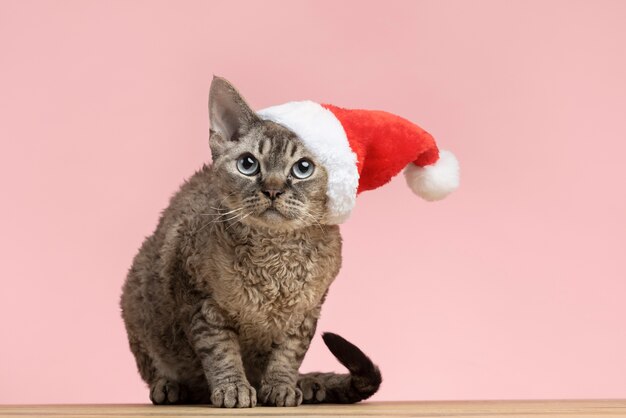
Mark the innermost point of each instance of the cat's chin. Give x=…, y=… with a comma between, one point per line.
x=272, y=214
x=274, y=219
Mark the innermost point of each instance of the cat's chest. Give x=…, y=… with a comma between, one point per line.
x=273, y=284
x=277, y=279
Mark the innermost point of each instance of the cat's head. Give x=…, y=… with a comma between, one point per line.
x=265, y=175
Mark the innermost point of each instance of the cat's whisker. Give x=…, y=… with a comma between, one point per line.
x=239, y=220
x=315, y=212
x=221, y=213
x=227, y=219
x=314, y=219
x=218, y=208
x=203, y=226
x=308, y=213
x=220, y=204
x=220, y=218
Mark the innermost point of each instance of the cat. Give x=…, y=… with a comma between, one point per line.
x=222, y=300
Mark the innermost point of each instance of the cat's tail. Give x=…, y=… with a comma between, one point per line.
x=362, y=382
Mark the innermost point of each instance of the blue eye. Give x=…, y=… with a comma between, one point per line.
x=303, y=169
x=248, y=165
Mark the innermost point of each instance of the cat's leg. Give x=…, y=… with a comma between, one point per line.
x=163, y=391
x=278, y=385
x=217, y=345
x=279, y=382
x=145, y=366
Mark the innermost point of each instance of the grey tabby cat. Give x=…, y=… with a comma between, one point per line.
x=222, y=300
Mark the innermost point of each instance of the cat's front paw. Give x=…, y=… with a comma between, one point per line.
x=280, y=395
x=231, y=395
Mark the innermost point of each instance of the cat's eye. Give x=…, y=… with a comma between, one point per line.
x=248, y=165
x=303, y=169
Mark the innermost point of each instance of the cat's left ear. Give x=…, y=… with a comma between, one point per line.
x=229, y=114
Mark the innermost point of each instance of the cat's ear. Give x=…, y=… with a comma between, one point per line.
x=229, y=114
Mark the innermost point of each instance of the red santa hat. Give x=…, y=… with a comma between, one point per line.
x=363, y=149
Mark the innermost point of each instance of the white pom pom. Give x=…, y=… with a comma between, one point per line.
x=435, y=181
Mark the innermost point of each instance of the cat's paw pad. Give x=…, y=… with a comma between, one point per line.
x=280, y=395
x=312, y=388
x=166, y=392
x=231, y=395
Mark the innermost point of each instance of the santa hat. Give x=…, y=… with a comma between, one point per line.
x=363, y=149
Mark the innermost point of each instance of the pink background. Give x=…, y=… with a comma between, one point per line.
x=514, y=287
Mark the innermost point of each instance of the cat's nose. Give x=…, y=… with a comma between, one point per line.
x=272, y=193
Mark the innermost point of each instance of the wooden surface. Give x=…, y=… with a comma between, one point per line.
x=457, y=409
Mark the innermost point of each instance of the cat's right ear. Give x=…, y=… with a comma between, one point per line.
x=229, y=114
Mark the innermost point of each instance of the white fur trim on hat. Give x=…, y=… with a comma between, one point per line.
x=435, y=181
x=326, y=139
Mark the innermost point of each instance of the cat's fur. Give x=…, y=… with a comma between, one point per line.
x=222, y=300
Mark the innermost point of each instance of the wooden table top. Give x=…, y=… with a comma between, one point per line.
x=422, y=409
